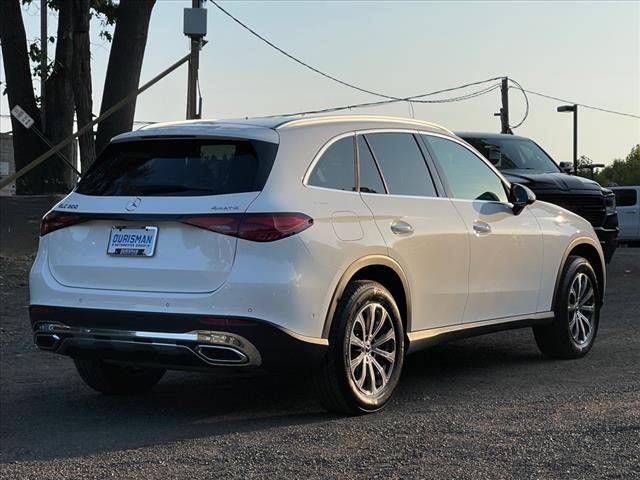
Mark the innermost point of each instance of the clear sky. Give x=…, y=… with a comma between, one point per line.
x=587, y=52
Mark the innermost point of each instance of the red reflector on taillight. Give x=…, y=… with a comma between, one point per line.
x=257, y=227
x=225, y=224
x=55, y=220
x=267, y=227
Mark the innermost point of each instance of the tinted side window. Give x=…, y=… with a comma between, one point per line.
x=402, y=164
x=336, y=167
x=370, y=179
x=626, y=198
x=468, y=176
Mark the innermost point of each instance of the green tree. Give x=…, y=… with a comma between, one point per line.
x=68, y=84
x=622, y=171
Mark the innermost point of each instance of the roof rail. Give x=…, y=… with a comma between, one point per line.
x=362, y=118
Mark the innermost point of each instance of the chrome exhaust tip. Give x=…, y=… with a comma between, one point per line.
x=47, y=341
x=218, y=354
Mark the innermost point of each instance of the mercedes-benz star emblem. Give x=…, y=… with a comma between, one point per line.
x=133, y=204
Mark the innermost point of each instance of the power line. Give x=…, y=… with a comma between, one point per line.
x=304, y=64
x=526, y=100
x=600, y=109
x=386, y=102
x=406, y=99
x=331, y=77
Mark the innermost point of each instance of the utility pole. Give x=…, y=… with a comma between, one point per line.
x=504, y=111
x=43, y=58
x=195, y=27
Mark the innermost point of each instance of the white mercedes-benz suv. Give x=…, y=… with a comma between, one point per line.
x=336, y=243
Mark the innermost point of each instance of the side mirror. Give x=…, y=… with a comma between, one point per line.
x=520, y=196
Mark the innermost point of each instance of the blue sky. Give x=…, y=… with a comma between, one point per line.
x=588, y=52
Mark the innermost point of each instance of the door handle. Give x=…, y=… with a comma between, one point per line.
x=401, y=228
x=481, y=228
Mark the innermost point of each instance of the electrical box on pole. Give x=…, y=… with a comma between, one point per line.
x=195, y=22
x=195, y=27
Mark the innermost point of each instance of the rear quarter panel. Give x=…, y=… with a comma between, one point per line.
x=330, y=251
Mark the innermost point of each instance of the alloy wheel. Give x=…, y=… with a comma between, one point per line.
x=372, y=349
x=582, y=306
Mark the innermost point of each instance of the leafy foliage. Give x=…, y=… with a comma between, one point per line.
x=622, y=171
x=106, y=11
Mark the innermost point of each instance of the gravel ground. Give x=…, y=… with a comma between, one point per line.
x=488, y=407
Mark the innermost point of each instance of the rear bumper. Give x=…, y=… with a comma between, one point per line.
x=174, y=341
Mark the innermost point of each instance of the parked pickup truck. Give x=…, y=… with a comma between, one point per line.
x=628, y=204
x=523, y=161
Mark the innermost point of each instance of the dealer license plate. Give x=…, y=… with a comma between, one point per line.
x=132, y=241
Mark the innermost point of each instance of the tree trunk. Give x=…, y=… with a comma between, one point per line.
x=59, y=104
x=125, y=64
x=82, y=80
x=26, y=145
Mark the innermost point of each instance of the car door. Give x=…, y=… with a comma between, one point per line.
x=505, y=249
x=336, y=207
x=424, y=233
x=628, y=212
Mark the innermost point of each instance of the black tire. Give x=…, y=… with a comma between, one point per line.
x=117, y=379
x=556, y=340
x=335, y=385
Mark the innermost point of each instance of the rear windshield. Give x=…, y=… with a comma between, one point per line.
x=180, y=167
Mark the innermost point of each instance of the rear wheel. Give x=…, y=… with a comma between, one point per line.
x=366, y=351
x=577, y=313
x=117, y=379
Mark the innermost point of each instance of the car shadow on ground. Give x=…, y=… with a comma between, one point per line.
x=67, y=419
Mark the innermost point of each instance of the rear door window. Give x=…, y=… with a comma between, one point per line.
x=370, y=179
x=626, y=197
x=403, y=167
x=180, y=167
x=336, y=168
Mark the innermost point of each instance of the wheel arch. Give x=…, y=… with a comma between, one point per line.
x=381, y=269
x=587, y=248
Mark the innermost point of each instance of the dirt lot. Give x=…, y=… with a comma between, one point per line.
x=489, y=407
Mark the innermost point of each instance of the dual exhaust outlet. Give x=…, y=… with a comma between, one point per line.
x=210, y=348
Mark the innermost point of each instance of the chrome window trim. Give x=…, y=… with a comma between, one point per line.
x=398, y=130
x=318, y=156
x=375, y=163
x=355, y=133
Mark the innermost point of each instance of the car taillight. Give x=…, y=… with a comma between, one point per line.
x=55, y=220
x=257, y=227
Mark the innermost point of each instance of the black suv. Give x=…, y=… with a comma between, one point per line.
x=523, y=161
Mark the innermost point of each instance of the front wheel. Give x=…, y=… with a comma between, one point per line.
x=117, y=379
x=366, y=351
x=577, y=313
